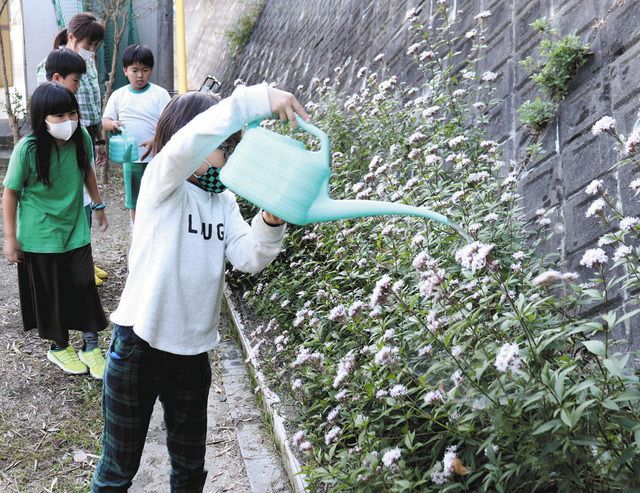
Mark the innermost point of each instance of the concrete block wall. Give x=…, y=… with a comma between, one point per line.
x=208, y=48
x=296, y=41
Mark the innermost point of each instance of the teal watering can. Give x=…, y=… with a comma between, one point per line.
x=283, y=177
x=123, y=149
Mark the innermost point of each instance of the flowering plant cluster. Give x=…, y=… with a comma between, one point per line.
x=417, y=360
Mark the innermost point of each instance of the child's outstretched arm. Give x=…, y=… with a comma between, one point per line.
x=190, y=146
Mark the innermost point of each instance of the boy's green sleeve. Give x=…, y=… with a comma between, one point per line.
x=19, y=165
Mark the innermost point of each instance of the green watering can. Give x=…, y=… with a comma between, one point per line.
x=280, y=175
x=123, y=149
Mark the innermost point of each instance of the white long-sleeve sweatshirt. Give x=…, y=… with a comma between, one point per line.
x=183, y=234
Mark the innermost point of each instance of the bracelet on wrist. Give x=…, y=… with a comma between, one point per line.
x=97, y=206
x=100, y=142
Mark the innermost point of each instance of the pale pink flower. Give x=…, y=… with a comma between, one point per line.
x=489, y=76
x=332, y=435
x=423, y=351
x=356, y=308
x=433, y=397
x=594, y=188
x=422, y=261
x=622, y=252
x=417, y=137
x=596, y=207
x=432, y=159
x=507, y=358
x=605, y=124
x=570, y=277
x=485, y=14
x=594, y=257
x=342, y=395
x=474, y=256
x=345, y=366
x=418, y=240
x=633, y=142
x=547, y=278
x=381, y=291
x=456, y=141
x=386, y=356
x=398, y=391
x=297, y=438
x=626, y=223
x=338, y=313
x=391, y=456
x=333, y=414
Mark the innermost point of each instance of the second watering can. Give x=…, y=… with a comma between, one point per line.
x=123, y=149
x=283, y=177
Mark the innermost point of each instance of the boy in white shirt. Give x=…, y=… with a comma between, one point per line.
x=135, y=109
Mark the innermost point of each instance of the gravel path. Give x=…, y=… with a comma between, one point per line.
x=50, y=424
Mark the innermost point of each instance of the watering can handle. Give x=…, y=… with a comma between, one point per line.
x=316, y=132
x=310, y=129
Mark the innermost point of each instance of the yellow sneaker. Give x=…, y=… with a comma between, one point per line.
x=94, y=360
x=102, y=274
x=67, y=360
x=99, y=282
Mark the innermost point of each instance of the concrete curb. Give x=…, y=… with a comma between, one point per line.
x=296, y=477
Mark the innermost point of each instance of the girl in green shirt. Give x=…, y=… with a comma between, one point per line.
x=47, y=232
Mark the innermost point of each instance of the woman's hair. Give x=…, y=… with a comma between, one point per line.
x=137, y=54
x=180, y=111
x=82, y=26
x=64, y=62
x=50, y=98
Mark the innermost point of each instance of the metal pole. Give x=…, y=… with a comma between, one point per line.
x=181, y=46
x=164, y=53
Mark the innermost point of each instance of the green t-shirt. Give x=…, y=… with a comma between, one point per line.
x=50, y=219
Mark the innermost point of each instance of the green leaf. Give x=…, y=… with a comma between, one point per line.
x=566, y=418
x=582, y=386
x=596, y=347
x=628, y=315
x=549, y=425
x=610, y=318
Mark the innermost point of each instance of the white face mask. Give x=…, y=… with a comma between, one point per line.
x=85, y=54
x=62, y=131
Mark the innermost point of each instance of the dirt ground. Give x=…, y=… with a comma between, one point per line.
x=50, y=423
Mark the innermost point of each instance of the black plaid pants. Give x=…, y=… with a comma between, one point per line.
x=135, y=375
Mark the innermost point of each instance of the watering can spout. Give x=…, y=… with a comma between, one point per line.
x=326, y=209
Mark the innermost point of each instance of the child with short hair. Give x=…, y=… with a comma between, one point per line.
x=168, y=315
x=46, y=232
x=66, y=67
x=136, y=107
x=84, y=34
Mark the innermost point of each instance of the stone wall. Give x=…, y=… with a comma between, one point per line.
x=297, y=40
x=208, y=49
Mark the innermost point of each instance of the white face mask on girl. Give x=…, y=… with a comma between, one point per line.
x=62, y=131
x=85, y=54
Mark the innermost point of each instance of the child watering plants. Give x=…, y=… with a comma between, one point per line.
x=167, y=319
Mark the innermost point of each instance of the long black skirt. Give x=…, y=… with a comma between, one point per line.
x=58, y=294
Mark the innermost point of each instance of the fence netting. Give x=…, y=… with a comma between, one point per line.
x=66, y=9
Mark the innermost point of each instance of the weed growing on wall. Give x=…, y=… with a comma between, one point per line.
x=240, y=34
x=559, y=60
x=422, y=362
